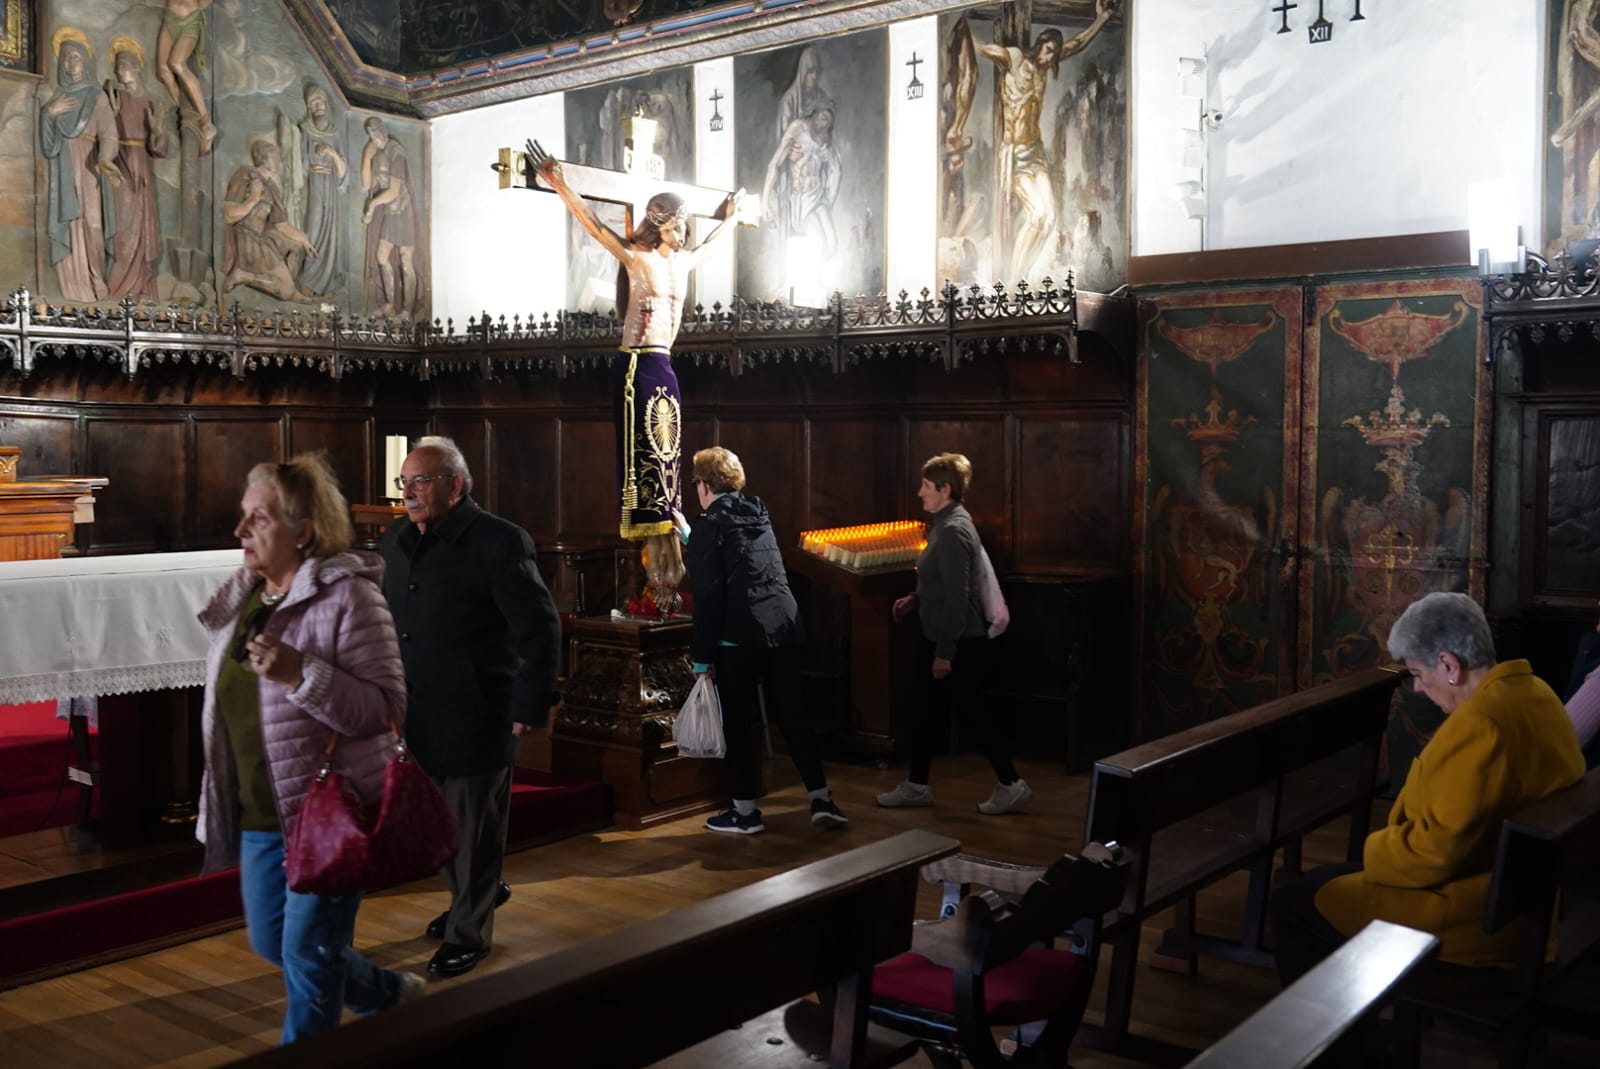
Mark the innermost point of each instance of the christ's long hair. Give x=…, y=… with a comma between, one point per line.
x=647, y=235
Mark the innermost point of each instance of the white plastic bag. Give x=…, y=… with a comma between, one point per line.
x=699, y=725
x=995, y=609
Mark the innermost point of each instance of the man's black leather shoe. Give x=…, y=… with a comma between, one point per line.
x=453, y=959
x=435, y=929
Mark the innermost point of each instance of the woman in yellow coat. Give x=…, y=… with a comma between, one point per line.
x=1506, y=741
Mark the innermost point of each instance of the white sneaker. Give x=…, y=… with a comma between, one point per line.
x=907, y=794
x=411, y=987
x=1006, y=799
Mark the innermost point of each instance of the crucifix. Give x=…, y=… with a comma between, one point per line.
x=716, y=115
x=652, y=286
x=1283, y=8
x=914, y=90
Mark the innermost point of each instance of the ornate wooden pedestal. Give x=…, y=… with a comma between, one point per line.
x=628, y=680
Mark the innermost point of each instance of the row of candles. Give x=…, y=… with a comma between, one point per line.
x=868, y=545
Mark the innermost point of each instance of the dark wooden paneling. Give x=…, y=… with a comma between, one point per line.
x=48, y=443
x=528, y=471
x=772, y=452
x=347, y=440
x=1447, y=249
x=858, y=472
x=588, y=480
x=144, y=508
x=470, y=432
x=225, y=451
x=982, y=440
x=1057, y=523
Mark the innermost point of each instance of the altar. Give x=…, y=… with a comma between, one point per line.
x=121, y=630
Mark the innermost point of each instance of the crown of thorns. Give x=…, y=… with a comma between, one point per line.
x=662, y=216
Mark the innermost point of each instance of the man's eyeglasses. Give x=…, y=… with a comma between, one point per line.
x=416, y=482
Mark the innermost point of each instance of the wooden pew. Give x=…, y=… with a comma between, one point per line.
x=647, y=991
x=1305, y=1021
x=1547, y=850
x=1225, y=796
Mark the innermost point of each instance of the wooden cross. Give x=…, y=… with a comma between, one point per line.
x=631, y=191
x=912, y=63
x=1283, y=8
x=716, y=115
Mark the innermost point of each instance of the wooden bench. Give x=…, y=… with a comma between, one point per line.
x=1547, y=850
x=1201, y=804
x=647, y=991
x=1308, y=1018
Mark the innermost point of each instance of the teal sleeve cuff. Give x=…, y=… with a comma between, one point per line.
x=701, y=669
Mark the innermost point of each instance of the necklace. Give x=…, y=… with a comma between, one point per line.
x=272, y=599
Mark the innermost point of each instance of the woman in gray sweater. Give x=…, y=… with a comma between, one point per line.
x=956, y=645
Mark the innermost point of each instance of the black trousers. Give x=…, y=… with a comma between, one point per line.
x=1302, y=937
x=777, y=668
x=481, y=805
x=958, y=699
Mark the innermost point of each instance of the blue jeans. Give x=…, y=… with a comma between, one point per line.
x=308, y=937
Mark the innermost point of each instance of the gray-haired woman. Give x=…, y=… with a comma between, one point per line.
x=1506, y=741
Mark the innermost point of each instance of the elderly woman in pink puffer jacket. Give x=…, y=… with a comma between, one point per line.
x=301, y=645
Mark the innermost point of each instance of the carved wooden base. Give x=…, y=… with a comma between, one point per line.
x=628, y=680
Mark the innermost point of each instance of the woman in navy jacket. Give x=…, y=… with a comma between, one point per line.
x=747, y=629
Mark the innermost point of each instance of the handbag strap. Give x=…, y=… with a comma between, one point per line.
x=401, y=751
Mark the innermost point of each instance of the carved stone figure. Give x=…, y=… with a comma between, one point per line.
x=390, y=216
x=326, y=175
x=260, y=247
x=182, y=38
x=142, y=133
x=78, y=138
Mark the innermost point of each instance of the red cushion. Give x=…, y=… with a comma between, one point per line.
x=1027, y=988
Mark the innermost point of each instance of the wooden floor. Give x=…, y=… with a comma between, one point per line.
x=210, y=1001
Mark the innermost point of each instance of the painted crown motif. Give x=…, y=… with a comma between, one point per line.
x=1214, y=430
x=1397, y=429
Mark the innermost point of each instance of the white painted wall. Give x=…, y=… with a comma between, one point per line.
x=910, y=227
x=498, y=250
x=714, y=165
x=1376, y=132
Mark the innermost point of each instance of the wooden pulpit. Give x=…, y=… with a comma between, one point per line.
x=37, y=516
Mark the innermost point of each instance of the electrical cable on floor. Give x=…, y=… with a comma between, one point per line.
x=66, y=766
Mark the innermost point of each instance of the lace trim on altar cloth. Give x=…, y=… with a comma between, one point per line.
x=99, y=682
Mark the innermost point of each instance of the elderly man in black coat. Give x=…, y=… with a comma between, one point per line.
x=481, y=639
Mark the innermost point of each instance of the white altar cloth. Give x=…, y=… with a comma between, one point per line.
x=83, y=627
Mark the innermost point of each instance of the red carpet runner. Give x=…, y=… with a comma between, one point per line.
x=543, y=808
x=33, y=768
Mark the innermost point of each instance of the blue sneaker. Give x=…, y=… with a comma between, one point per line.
x=730, y=822
x=825, y=813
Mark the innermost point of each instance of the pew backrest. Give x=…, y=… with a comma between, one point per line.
x=1264, y=774
x=644, y=992
x=1308, y=1017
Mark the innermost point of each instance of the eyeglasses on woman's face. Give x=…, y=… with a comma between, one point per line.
x=417, y=482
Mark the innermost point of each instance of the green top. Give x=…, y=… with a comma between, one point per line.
x=239, y=704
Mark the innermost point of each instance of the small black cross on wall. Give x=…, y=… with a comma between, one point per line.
x=1283, y=8
x=716, y=115
x=914, y=90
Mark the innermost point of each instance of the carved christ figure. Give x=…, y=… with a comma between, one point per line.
x=652, y=285
x=1024, y=163
x=183, y=37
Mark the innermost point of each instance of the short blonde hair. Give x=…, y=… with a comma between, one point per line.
x=951, y=468
x=307, y=489
x=719, y=469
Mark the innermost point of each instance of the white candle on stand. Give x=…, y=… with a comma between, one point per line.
x=394, y=455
